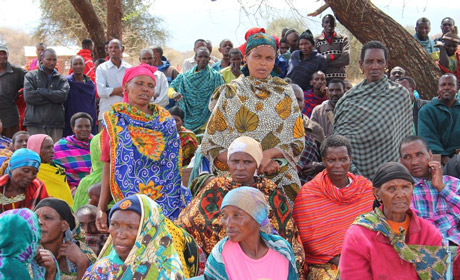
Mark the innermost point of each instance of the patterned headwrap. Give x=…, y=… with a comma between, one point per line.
x=259, y=39
x=389, y=171
x=253, y=202
x=23, y=157
x=247, y=145
x=133, y=72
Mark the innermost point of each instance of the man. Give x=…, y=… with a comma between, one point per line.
x=435, y=197
x=447, y=25
x=87, y=47
x=45, y=91
x=190, y=62
x=448, y=56
x=233, y=71
x=374, y=115
x=212, y=59
x=334, y=47
x=422, y=29
x=39, y=48
x=224, y=47
x=417, y=103
x=86, y=216
x=163, y=64
x=317, y=94
x=11, y=81
x=324, y=113
x=109, y=76
x=292, y=39
x=396, y=73
x=161, y=86
x=439, y=121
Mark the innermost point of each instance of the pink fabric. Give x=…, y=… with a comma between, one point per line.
x=35, y=142
x=367, y=254
x=239, y=266
x=133, y=72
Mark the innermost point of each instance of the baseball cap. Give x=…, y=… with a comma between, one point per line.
x=3, y=48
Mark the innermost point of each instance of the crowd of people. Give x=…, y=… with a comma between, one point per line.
x=265, y=164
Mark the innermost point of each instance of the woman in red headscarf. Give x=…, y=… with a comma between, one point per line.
x=140, y=149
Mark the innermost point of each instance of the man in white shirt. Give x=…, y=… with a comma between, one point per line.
x=161, y=87
x=109, y=76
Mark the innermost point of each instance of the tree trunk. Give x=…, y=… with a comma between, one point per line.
x=94, y=26
x=114, y=18
x=367, y=22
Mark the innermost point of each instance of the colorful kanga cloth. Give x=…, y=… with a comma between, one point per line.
x=429, y=261
x=5, y=155
x=323, y=213
x=215, y=267
x=34, y=193
x=153, y=256
x=201, y=218
x=196, y=87
x=74, y=156
x=145, y=156
x=265, y=110
x=55, y=180
x=5, y=142
x=189, y=144
x=375, y=117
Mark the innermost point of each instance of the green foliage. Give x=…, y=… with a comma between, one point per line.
x=276, y=26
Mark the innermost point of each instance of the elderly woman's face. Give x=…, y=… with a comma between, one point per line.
x=261, y=61
x=396, y=196
x=337, y=162
x=238, y=224
x=242, y=167
x=47, y=150
x=52, y=225
x=123, y=229
x=140, y=91
x=21, y=177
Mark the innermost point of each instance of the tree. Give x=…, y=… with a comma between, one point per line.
x=15, y=40
x=276, y=26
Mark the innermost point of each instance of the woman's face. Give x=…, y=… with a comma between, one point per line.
x=395, y=196
x=242, y=167
x=238, y=224
x=47, y=150
x=123, y=229
x=82, y=129
x=140, y=91
x=22, y=177
x=179, y=122
x=20, y=141
x=305, y=47
x=52, y=225
x=261, y=61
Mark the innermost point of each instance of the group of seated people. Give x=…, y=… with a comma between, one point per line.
x=273, y=193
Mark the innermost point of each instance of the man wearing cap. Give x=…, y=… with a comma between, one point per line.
x=11, y=81
x=448, y=56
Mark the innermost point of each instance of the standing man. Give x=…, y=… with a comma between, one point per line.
x=292, y=39
x=163, y=65
x=190, y=62
x=87, y=47
x=11, y=81
x=224, y=47
x=447, y=25
x=109, y=76
x=334, y=47
x=422, y=29
x=374, y=115
x=161, y=86
x=417, y=103
x=317, y=94
x=45, y=91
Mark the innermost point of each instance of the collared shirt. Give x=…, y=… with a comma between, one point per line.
x=108, y=77
x=324, y=115
x=442, y=208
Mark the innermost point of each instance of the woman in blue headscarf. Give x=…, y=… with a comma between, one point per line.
x=20, y=188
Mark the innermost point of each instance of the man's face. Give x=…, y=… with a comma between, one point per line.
x=78, y=66
x=115, y=51
x=225, y=47
x=49, y=61
x=299, y=97
x=407, y=85
x=447, y=25
x=284, y=47
x=3, y=57
x=293, y=41
x=336, y=92
x=447, y=88
x=422, y=30
x=202, y=58
x=328, y=25
x=415, y=157
x=451, y=47
x=397, y=73
x=39, y=50
x=236, y=59
x=374, y=64
x=199, y=44
x=146, y=58
x=156, y=55
x=318, y=80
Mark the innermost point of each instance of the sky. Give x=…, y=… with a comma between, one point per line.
x=188, y=20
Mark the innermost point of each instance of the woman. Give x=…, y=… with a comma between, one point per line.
x=50, y=173
x=260, y=107
x=305, y=61
x=20, y=188
x=392, y=242
x=18, y=141
x=188, y=141
x=249, y=251
x=140, y=149
x=62, y=236
x=72, y=152
x=143, y=242
x=201, y=217
x=326, y=207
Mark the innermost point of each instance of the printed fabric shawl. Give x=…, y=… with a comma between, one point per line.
x=215, y=267
x=196, y=88
x=429, y=261
x=375, y=117
x=145, y=156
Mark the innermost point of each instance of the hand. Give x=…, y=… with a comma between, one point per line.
x=444, y=160
x=45, y=259
x=71, y=251
x=267, y=165
x=236, y=69
x=177, y=96
x=272, y=168
x=312, y=168
x=439, y=44
x=101, y=221
x=324, y=90
x=436, y=175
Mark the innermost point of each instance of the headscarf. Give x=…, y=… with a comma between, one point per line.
x=23, y=157
x=250, y=32
x=389, y=171
x=61, y=207
x=253, y=202
x=259, y=39
x=247, y=145
x=307, y=35
x=141, y=70
x=35, y=142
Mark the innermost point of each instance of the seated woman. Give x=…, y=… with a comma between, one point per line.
x=201, y=217
x=249, y=251
x=18, y=141
x=327, y=205
x=62, y=236
x=50, y=173
x=72, y=152
x=144, y=243
x=188, y=141
x=392, y=242
x=20, y=188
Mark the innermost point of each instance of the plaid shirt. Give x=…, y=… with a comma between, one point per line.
x=311, y=101
x=440, y=208
x=95, y=241
x=308, y=155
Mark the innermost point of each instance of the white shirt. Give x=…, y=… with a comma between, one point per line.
x=190, y=62
x=108, y=77
x=161, y=89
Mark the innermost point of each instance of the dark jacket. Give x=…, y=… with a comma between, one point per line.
x=45, y=96
x=418, y=103
x=11, y=81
